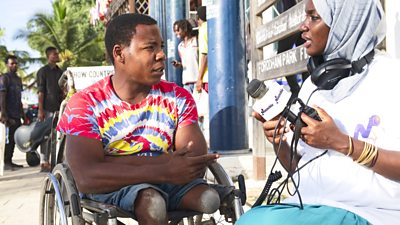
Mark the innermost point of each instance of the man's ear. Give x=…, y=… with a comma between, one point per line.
x=118, y=54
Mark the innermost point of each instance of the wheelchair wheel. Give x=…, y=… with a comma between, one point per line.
x=59, y=199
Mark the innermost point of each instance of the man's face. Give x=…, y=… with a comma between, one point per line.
x=177, y=31
x=53, y=56
x=199, y=21
x=143, y=60
x=12, y=65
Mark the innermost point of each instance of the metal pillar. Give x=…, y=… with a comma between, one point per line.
x=227, y=76
x=176, y=11
x=157, y=10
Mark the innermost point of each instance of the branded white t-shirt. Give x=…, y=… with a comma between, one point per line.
x=369, y=114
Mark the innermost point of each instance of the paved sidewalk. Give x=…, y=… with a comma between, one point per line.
x=19, y=193
x=20, y=189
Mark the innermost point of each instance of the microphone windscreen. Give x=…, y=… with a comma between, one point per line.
x=256, y=88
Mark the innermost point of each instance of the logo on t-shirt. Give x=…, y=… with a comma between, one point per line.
x=365, y=132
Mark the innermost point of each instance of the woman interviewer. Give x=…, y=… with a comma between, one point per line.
x=357, y=180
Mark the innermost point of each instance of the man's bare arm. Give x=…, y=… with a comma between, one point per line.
x=96, y=173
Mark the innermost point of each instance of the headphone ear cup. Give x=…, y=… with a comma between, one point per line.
x=314, y=62
x=326, y=75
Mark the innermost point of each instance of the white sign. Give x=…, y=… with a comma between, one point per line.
x=87, y=75
x=281, y=25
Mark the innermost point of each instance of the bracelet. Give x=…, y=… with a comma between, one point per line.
x=364, y=153
x=368, y=155
x=371, y=156
x=351, y=149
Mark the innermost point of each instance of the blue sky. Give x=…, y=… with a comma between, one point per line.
x=14, y=16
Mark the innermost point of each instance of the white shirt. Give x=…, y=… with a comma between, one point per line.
x=189, y=59
x=369, y=114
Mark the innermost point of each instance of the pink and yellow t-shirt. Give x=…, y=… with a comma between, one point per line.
x=145, y=129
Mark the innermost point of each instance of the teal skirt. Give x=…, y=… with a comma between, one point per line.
x=291, y=215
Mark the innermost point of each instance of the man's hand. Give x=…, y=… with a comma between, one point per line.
x=183, y=168
x=199, y=85
x=176, y=64
x=41, y=115
x=3, y=118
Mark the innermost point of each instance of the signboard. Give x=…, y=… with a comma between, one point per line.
x=262, y=5
x=286, y=63
x=281, y=26
x=87, y=75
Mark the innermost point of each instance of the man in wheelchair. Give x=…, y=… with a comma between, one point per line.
x=132, y=138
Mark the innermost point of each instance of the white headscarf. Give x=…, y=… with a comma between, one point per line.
x=356, y=27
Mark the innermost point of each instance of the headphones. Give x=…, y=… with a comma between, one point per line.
x=325, y=75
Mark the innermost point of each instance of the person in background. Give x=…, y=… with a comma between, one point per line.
x=50, y=97
x=188, y=52
x=11, y=108
x=202, y=79
x=346, y=166
x=132, y=139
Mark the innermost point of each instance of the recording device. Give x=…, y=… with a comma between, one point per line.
x=276, y=101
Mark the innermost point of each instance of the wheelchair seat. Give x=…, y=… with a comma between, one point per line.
x=104, y=212
x=61, y=203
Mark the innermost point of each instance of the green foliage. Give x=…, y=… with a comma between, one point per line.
x=23, y=62
x=69, y=30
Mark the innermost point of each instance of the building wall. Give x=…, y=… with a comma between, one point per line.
x=392, y=8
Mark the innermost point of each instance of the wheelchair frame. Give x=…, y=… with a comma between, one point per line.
x=60, y=202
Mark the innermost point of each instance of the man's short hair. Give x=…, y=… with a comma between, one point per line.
x=10, y=57
x=122, y=28
x=49, y=49
x=185, y=26
x=202, y=13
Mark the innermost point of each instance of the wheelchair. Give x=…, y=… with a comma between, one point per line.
x=61, y=202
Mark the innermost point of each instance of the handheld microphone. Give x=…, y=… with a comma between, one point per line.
x=271, y=104
x=276, y=102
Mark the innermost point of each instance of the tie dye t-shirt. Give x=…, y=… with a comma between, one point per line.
x=145, y=129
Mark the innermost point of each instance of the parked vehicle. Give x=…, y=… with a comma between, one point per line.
x=31, y=113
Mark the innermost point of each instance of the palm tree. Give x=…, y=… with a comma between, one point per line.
x=79, y=44
x=23, y=58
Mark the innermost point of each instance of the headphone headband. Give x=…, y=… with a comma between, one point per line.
x=327, y=74
x=359, y=64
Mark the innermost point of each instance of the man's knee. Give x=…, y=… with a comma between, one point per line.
x=209, y=201
x=150, y=203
